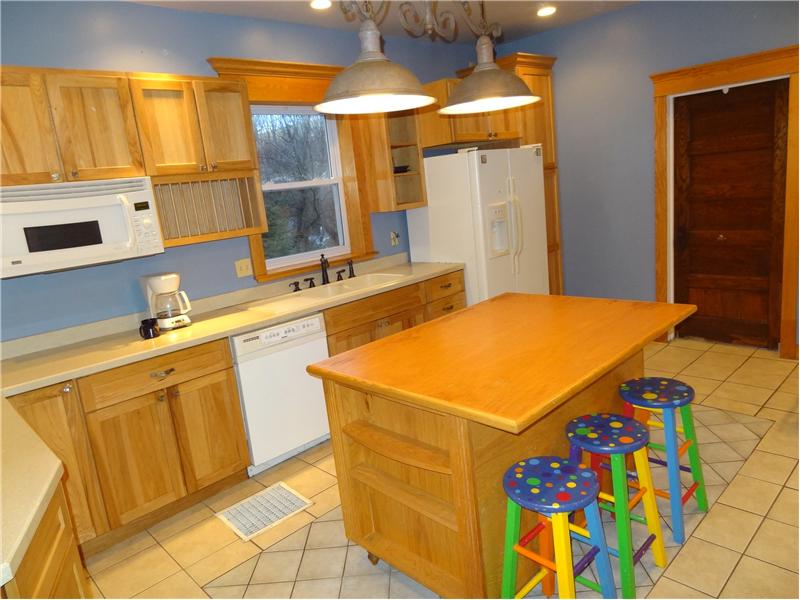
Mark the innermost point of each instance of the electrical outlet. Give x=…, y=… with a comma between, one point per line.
x=244, y=267
x=395, y=237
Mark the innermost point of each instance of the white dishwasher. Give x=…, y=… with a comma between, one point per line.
x=284, y=407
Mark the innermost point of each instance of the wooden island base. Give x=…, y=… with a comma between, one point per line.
x=421, y=489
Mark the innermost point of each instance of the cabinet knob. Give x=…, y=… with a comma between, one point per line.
x=446, y=286
x=55, y=176
x=74, y=172
x=67, y=388
x=213, y=166
x=162, y=374
x=448, y=308
x=161, y=396
x=203, y=168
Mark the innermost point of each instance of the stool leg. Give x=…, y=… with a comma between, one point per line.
x=575, y=454
x=546, y=550
x=650, y=506
x=562, y=543
x=619, y=479
x=687, y=419
x=601, y=561
x=674, y=473
x=508, y=587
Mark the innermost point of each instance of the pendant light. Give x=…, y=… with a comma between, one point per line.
x=488, y=87
x=373, y=84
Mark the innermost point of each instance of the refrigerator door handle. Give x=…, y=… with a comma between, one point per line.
x=518, y=232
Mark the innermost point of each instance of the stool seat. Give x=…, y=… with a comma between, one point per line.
x=656, y=392
x=550, y=484
x=607, y=433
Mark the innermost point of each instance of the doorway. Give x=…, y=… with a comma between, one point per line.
x=729, y=190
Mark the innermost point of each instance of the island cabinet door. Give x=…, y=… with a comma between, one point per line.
x=208, y=421
x=137, y=456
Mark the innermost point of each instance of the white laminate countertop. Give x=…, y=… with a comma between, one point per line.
x=40, y=369
x=30, y=475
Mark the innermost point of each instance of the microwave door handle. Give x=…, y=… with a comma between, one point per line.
x=183, y=300
x=126, y=204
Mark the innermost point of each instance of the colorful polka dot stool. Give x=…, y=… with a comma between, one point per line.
x=607, y=434
x=554, y=487
x=664, y=396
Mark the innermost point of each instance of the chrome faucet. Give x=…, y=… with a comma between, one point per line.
x=323, y=263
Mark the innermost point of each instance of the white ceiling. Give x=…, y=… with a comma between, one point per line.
x=517, y=17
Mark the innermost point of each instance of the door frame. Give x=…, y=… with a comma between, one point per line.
x=751, y=68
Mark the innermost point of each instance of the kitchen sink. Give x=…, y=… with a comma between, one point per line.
x=370, y=279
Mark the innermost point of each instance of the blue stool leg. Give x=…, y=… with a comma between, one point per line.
x=575, y=454
x=674, y=473
x=604, y=574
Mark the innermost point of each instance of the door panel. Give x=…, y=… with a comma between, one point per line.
x=208, y=421
x=225, y=122
x=730, y=169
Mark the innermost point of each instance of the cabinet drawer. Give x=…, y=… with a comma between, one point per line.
x=445, y=285
x=445, y=306
x=373, y=308
x=115, y=385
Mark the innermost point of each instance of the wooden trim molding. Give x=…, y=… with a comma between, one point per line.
x=781, y=62
x=519, y=60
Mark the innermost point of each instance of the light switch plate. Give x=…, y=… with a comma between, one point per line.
x=244, y=268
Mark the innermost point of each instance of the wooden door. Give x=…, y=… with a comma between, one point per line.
x=399, y=322
x=137, y=456
x=471, y=128
x=95, y=126
x=71, y=581
x=225, y=122
x=436, y=129
x=730, y=172
x=536, y=120
x=55, y=414
x=28, y=146
x=166, y=113
x=208, y=421
x=350, y=338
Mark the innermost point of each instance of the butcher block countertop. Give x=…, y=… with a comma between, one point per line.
x=508, y=361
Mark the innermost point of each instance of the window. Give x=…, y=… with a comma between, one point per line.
x=302, y=185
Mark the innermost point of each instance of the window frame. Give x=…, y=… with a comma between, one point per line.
x=336, y=179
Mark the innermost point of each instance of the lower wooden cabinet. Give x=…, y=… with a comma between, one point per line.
x=208, y=422
x=137, y=457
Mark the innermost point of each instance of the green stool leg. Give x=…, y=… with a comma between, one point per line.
x=694, y=457
x=513, y=512
x=619, y=479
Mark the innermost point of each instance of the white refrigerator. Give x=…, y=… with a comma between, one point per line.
x=486, y=210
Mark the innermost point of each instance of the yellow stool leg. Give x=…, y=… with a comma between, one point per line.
x=563, y=551
x=650, y=506
x=546, y=550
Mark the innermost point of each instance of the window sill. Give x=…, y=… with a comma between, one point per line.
x=306, y=268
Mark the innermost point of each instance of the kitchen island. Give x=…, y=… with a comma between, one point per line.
x=425, y=422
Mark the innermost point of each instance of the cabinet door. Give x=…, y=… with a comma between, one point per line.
x=470, y=128
x=208, y=421
x=553, y=224
x=137, y=456
x=71, y=581
x=351, y=338
x=166, y=113
x=225, y=123
x=55, y=414
x=394, y=323
x=436, y=129
x=537, y=126
x=28, y=141
x=95, y=126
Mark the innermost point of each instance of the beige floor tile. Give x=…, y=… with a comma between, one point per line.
x=762, y=372
x=792, y=481
x=704, y=435
x=769, y=467
x=760, y=428
x=701, y=385
x=667, y=588
x=326, y=534
x=199, y=541
x=750, y=494
x=726, y=470
x=402, y=586
x=228, y=591
x=714, y=365
x=733, y=349
x=692, y=343
x=280, y=471
x=731, y=405
x=310, y=481
x=317, y=588
x=747, y=419
x=711, y=416
x=729, y=527
x=119, y=552
x=332, y=515
x=327, y=464
x=295, y=541
x=744, y=448
x=179, y=585
x=717, y=562
x=269, y=590
x=785, y=507
x=772, y=414
x=365, y=586
x=672, y=359
x=317, y=452
x=94, y=591
x=749, y=394
x=322, y=563
x=732, y=432
x=273, y=567
x=756, y=579
x=232, y=495
x=222, y=561
x=790, y=384
x=781, y=438
x=325, y=501
x=783, y=401
x=775, y=543
x=180, y=522
x=772, y=354
x=653, y=347
x=239, y=575
x=359, y=564
x=288, y=526
x=718, y=452
x=656, y=373
x=136, y=573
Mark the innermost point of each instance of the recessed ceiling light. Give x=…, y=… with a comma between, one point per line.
x=320, y=4
x=545, y=11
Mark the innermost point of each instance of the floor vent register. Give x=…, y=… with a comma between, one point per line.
x=263, y=510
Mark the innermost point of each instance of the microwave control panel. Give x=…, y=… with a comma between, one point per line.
x=146, y=227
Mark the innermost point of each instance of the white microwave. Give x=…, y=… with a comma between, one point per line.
x=50, y=227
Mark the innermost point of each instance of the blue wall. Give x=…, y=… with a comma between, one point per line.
x=604, y=122
x=132, y=37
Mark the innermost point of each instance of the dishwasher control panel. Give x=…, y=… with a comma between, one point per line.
x=272, y=336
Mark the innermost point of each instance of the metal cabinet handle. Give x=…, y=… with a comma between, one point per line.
x=74, y=172
x=203, y=168
x=446, y=286
x=162, y=374
x=213, y=166
x=55, y=176
x=448, y=308
x=721, y=238
x=161, y=397
x=67, y=388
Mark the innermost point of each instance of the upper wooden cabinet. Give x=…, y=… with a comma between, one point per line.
x=436, y=129
x=498, y=125
x=95, y=125
x=28, y=142
x=225, y=122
